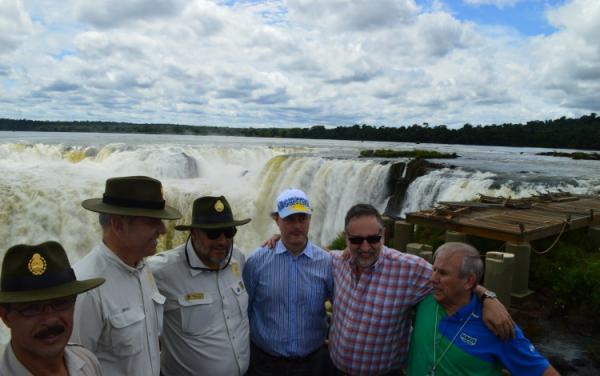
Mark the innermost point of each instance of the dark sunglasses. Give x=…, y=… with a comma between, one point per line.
x=213, y=234
x=56, y=305
x=358, y=240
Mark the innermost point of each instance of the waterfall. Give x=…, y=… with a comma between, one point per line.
x=465, y=184
x=332, y=186
x=43, y=185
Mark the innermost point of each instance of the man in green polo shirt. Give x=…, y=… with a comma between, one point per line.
x=449, y=336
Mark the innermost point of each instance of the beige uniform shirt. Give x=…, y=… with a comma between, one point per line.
x=80, y=362
x=121, y=320
x=206, y=321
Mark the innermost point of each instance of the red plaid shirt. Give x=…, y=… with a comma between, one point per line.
x=370, y=327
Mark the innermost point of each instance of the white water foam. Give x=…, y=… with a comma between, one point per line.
x=461, y=185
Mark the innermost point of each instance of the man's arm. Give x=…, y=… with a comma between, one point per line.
x=496, y=317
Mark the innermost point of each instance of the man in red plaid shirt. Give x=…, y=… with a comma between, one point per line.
x=375, y=289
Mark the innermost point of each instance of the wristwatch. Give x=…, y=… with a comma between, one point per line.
x=488, y=294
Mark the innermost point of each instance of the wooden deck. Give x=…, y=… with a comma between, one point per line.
x=497, y=221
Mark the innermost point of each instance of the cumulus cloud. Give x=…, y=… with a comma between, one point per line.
x=15, y=25
x=568, y=61
x=354, y=15
x=111, y=13
x=295, y=62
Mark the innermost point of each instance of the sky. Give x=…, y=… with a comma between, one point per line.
x=284, y=63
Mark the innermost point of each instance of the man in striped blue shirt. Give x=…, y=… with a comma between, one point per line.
x=287, y=289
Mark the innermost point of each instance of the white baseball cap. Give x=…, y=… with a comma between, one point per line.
x=292, y=201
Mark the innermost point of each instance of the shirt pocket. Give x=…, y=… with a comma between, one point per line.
x=241, y=296
x=196, y=314
x=127, y=332
x=159, y=305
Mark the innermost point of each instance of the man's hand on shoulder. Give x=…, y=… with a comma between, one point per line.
x=497, y=319
x=272, y=241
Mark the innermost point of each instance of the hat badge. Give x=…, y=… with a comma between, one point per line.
x=219, y=206
x=37, y=264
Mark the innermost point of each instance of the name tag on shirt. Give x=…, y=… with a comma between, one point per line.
x=194, y=296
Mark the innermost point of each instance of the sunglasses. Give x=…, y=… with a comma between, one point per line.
x=213, y=234
x=358, y=240
x=35, y=309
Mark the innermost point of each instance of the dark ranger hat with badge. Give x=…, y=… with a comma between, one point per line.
x=33, y=273
x=212, y=213
x=138, y=196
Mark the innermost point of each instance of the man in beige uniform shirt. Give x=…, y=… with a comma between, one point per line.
x=206, y=328
x=37, y=297
x=121, y=321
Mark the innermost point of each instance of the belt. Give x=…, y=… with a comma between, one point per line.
x=286, y=359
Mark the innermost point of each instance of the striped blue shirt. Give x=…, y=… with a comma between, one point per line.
x=286, y=299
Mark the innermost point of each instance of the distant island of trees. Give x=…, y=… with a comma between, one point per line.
x=566, y=133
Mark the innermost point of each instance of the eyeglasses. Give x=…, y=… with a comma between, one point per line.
x=35, y=309
x=213, y=234
x=358, y=240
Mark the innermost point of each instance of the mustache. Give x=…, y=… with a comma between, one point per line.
x=51, y=331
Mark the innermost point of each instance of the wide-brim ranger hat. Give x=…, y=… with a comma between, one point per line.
x=138, y=196
x=292, y=201
x=211, y=213
x=32, y=273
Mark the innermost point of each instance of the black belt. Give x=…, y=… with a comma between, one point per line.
x=286, y=359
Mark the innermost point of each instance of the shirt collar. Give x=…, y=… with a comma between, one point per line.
x=112, y=257
x=466, y=311
x=307, y=251
x=73, y=362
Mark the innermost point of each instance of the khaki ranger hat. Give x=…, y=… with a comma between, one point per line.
x=32, y=273
x=137, y=196
x=212, y=213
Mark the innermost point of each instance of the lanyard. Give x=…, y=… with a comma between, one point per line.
x=436, y=363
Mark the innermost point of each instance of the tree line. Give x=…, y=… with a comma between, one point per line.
x=576, y=133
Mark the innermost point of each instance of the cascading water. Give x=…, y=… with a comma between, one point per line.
x=465, y=184
x=43, y=186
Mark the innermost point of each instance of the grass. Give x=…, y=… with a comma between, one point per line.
x=578, y=155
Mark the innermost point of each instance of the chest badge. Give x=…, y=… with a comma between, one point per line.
x=471, y=341
x=235, y=269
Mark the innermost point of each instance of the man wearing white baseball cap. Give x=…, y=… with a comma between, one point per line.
x=287, y=289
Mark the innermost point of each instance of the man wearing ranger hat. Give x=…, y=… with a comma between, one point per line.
x=121, y=321
x=38, y=292
x=206, y=329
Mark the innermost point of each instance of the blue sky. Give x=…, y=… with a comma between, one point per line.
x=300, y=62
x=526, y=16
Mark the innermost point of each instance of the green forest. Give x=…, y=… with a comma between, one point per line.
x=578, y=133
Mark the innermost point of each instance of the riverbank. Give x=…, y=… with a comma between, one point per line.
x=570, y=341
